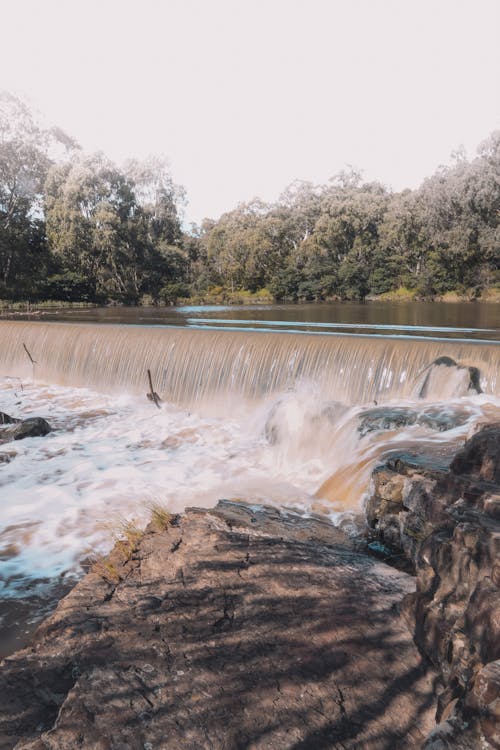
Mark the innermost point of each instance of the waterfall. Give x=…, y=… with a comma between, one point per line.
x=190, y=366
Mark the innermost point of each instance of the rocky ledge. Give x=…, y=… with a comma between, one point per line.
x=237, y=627
x=446, y=522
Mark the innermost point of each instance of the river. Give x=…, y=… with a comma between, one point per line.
x=262, y=403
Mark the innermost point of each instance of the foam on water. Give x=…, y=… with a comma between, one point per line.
x=109, y=458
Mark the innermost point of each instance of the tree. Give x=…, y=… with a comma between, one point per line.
x=158, y=197
x=23, y=166
x=90, y=212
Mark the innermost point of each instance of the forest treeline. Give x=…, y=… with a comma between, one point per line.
x=76, y=227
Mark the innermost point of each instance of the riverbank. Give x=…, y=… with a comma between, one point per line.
x=243, y=298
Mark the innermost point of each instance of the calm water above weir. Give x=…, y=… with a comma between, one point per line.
x=432, y=319
x=271, y=404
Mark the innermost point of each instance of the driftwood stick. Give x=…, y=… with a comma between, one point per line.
x=152, y=395
x=29, y=355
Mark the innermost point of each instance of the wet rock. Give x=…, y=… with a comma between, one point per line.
x=32, y=427
x=446, y=377
x=479, y=460
x=385, y=418
x=397, y=417
x=448, y=524
x=6, y=419
x=403, y=506
x=237, y=627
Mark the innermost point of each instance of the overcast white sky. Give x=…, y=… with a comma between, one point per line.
x=245, y=96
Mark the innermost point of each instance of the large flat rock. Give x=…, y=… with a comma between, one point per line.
x=240, y=627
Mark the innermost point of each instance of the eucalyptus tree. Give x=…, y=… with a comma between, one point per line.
x=27, y=151
x=338, y=256
x=23, y=166
x=461, y=206
x=401, y=256
x=159, y=202
x=160, y=199
x=298, y=208
x=90, y=212
x=483, y=197
x=238, y=250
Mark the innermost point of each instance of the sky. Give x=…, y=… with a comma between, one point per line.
x=246, y=96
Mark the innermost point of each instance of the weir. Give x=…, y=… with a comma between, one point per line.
x=192, y=365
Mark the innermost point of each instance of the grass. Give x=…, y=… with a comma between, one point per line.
x=161, y=519
x=491, y=295
x=127, y=542
x=107, y=570
x=402, y=294
x=220, y=295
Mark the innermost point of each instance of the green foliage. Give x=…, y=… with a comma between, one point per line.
x=170, y=293
x=69, y=286
x=285, y=284
x=353, y=278
x=78, y=228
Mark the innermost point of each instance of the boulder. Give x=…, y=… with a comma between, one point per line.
x=447, y=523
x=20, y=429
x=404, y=504
x=237, y=627
x=6, y=419
x=446, y=378
x=396, y=417
x=479, y=460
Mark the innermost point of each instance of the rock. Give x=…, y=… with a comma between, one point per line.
x=445, y=377
x=32, y=427
x=485, y=698
x=396, y=417
x=6, y=419
x=237, y=627
x=447, y=524
x=479, y=460
x=403, y=506
x=386, y=418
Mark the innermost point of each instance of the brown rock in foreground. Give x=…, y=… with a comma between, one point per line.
x=238, y=627
x=448, y=525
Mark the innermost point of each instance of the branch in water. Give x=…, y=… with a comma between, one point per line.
x=152, y=395
x=29, y=355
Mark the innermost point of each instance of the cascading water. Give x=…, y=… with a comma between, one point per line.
x=189, y=366
x=283, y=418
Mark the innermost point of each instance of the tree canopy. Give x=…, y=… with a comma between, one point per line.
x=75, y=226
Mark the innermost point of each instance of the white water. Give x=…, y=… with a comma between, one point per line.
x=110, y=458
